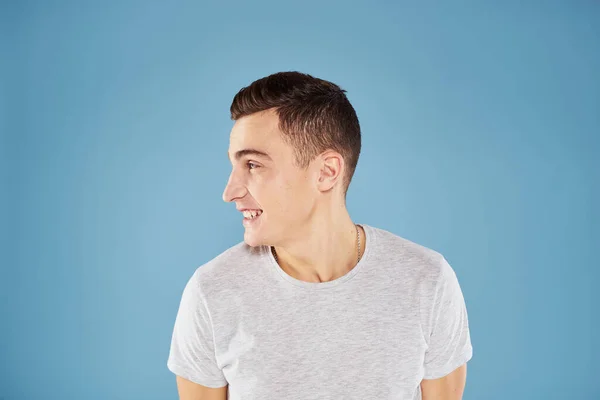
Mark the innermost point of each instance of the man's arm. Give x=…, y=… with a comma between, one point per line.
x=449, y=387
x=189, y=390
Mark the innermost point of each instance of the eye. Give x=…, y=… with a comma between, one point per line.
x=251, y=165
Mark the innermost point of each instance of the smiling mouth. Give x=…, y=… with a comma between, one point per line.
x=251, y=215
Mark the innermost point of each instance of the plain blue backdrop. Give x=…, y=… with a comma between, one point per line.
x=480, y=130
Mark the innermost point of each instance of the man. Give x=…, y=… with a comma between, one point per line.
x=311, y=305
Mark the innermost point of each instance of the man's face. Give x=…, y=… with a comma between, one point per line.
x=270, y=185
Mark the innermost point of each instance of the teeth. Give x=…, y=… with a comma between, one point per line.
x=252, y=214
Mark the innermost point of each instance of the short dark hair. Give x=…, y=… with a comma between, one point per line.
x=314, y=115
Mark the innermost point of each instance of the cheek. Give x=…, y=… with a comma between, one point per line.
x=298, y=199
x=283, y=197
x=280, y=198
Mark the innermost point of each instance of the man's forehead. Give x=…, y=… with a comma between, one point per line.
x=258, y=126
x=261, y=138
x=250, y=152
x=253, y=140
x=245, y=135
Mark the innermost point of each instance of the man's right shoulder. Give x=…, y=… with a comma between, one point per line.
x=234, y=264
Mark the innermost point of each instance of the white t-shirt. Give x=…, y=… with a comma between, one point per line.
x=396, y=318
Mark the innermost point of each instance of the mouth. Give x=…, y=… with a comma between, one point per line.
x=251, y=216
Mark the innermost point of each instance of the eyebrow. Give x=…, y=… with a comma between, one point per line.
x=249, y=152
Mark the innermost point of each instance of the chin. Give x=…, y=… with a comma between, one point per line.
x=252, y=239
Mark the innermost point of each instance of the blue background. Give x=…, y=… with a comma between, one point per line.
x=480, y=140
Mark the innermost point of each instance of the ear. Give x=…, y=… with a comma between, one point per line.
x=331, y=170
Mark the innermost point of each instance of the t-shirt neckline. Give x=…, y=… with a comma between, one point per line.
x=369, y=242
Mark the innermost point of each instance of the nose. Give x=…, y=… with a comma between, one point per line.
x=233, y=190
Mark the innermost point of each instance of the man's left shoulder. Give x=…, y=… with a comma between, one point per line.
x=412, y=260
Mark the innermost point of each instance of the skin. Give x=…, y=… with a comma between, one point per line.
x=304, y=218
x=449, y=387
x=304, y=213
x=189, y=390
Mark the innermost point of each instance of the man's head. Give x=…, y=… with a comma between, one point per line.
x=294, y=147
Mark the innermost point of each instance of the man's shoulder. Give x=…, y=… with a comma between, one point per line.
x=229, y=265
x=409, y=258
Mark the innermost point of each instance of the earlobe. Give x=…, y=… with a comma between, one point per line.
x=330, y=170
x=327, y=179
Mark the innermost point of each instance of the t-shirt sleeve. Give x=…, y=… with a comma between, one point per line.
x=192, y=353
x=448, y=336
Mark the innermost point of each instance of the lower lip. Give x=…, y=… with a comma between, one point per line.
x=250, y=222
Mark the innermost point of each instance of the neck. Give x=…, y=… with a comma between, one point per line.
x=323, y=249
